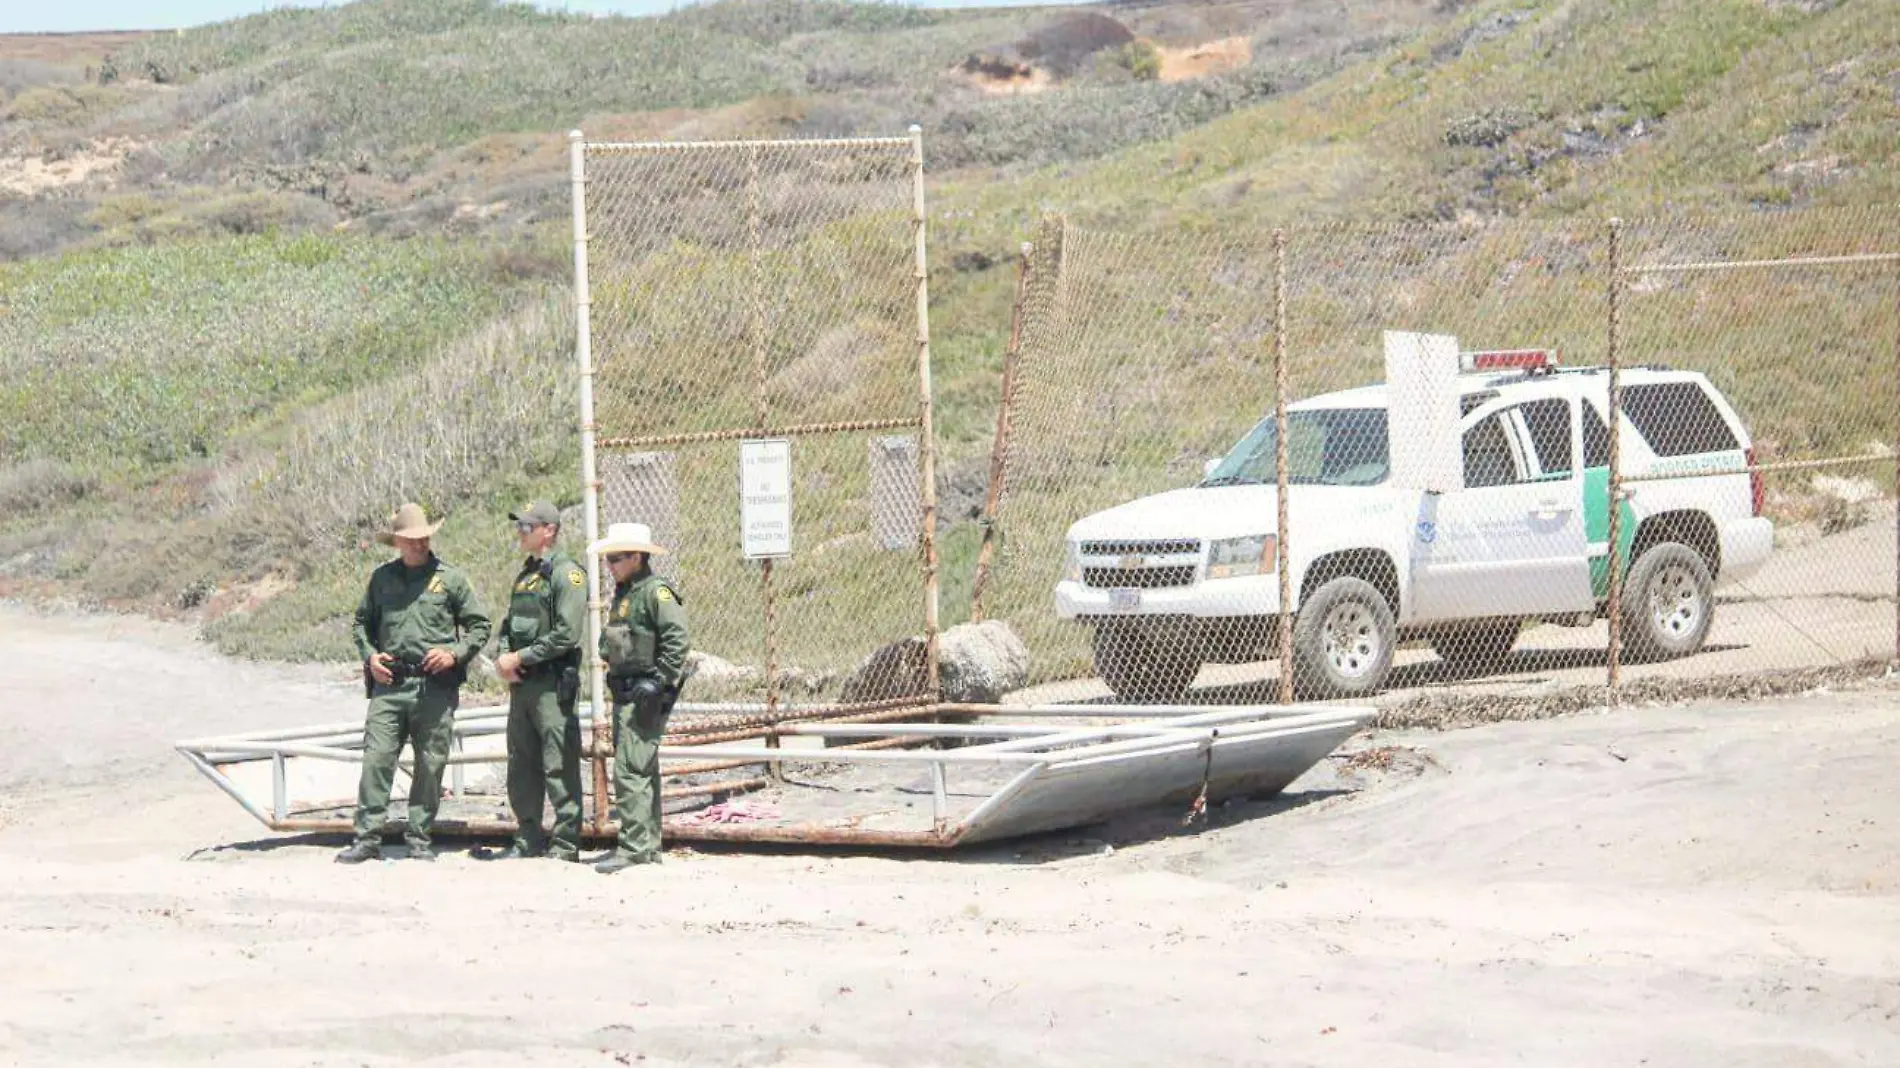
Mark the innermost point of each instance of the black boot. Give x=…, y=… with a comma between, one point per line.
x=358, y=852
x=618, y=861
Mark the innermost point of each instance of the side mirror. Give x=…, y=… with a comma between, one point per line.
x=1207, y=469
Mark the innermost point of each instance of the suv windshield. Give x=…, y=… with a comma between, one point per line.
x=1325, y=446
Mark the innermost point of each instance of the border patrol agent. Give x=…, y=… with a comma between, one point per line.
x=540, y=659
x=413, y=667
x=644, y=643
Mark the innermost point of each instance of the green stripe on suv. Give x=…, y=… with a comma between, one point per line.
x=1596, y=528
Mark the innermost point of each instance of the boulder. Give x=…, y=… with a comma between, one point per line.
x=707, y=668
x=977, y=662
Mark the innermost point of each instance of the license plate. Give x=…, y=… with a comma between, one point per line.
x=1125, y=600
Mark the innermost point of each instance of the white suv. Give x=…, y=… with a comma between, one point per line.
x=1175, y=580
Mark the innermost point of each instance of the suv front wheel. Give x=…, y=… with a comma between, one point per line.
x=1668, y=603
x=1343, y=640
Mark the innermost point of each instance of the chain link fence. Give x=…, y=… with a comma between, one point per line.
x=760, y=398
x=1765, y=349
x=1521, y=460
x=1436, y=517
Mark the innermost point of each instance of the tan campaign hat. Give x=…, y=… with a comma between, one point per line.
x=410, y=521
x=628, y=538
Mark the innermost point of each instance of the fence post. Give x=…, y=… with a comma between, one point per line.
x=927, y=451
x=760, y=417
x=1896, y=481
x=1615, y=567
x=590, y=479
x=999, y=449
x=1283, y=626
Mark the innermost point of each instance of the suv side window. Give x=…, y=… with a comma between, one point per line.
x=1596, y=438
x=1488, y=459
x=1549, y=424
x=1677, y=419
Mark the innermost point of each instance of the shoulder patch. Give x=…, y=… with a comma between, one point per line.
x=577, y=577
x=664, y=593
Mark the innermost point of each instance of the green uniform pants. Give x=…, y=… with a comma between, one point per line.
x=418, y=714
x=544, y=762
x=637, y=781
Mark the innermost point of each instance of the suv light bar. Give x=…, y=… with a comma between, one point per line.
x=1509, y=360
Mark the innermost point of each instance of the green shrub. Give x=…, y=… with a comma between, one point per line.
x=1141, y=59
x=136, y=358
x=45, y=104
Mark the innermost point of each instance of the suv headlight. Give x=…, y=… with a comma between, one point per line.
x=1072, y=566
x=1241, y=557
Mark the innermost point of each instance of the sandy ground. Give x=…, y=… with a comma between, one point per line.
x=1660, y=887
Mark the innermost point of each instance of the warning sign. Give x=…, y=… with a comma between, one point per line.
x=765, y=498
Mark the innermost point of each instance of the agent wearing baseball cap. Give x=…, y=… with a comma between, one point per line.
x=540, y=660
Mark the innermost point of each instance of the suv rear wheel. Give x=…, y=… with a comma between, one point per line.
x=1141, y=666
x=1343, y=640
x=1668, y=603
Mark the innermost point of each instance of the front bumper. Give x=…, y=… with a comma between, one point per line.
x=1256, y=595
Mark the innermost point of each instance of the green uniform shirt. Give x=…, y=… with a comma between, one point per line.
x=407, y=611
x=547, y=614
x=646, y=630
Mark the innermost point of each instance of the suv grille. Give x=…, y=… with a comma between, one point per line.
x=1145, y=578
x=1141, y=548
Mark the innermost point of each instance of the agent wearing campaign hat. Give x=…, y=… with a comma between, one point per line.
x=644, y=643
x=416, y=629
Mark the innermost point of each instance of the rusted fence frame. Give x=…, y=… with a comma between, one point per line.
x=775, y=710
x=999, y=447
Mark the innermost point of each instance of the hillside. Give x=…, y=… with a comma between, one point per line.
x=255, y=263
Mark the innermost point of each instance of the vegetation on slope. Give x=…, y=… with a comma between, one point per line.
x=211, y=389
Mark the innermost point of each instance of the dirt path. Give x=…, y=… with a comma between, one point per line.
x=1669, y=887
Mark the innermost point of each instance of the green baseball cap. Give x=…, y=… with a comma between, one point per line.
x=539, y=512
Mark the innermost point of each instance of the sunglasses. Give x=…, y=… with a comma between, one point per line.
x=526, y=527
x=614, y=558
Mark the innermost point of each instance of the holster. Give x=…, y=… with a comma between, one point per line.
x=650, y=698
x=399, y=670
x=402, y=670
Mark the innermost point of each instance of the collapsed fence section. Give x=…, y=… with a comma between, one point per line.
x=1339, y=461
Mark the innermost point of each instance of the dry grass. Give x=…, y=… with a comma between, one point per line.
x=38, y=486
x=70, y=50
x=439, y=434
